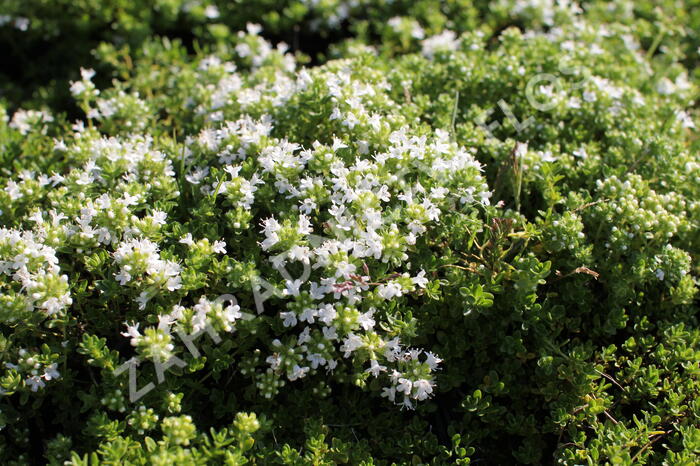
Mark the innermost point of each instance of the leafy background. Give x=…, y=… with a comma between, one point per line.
x=560, y=341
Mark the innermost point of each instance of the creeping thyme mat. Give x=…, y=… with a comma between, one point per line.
x=467, y=233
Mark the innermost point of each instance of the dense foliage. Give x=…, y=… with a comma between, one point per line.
x=468, y=233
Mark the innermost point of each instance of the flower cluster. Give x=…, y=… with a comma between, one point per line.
x=32, y=279
x=141, y=265
x=35, y=367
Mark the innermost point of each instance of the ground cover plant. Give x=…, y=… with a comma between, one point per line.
x=46, y=42
x=463, y=232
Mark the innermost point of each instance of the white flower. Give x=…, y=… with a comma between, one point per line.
x=187, y=239
x=219, y=247
x=253, y=28
x=77, y=88
x=580, y=152
x=338, y=144
x=404, y=386
x=274, y=361
x=420, y=279
x=304, y=336
x=389, y=393
x=308, y=315
x=50, y=372
x=412, y=354
x=432, y=360
x=375, y=369
x=54, y=305
x=327, y=313
x=423, y=388
x=164, y=322
x=406, y=403
x=444, y=42
x=59, y=145
x=330, y=333
x=211, y=12
x=546, y=156
x=316, y=360
x=589, y=96
x=132, y=331
x=232, y=313
x=685, y=120
x=298, y=372
x=331, y=364
x=351, y=343
x=366, y=321
x=289, y=318
x=665, y=87
x=143, y=299
x=270, y=229
x=159, y=217
x=317, y=291
x=87, y=73
x=35, y=382
x=392, y=349
x=197, y=175
x=292, y=287
x=389, y=290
